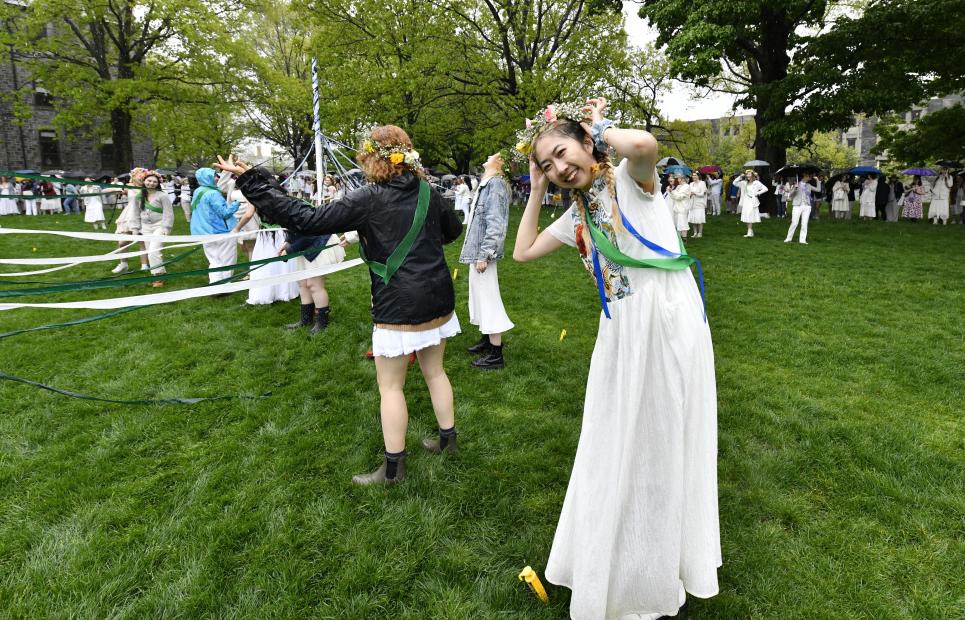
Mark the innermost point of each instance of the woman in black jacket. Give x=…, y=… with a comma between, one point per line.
x=402, y=225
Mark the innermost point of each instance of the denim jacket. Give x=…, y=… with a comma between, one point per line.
x=488, y=221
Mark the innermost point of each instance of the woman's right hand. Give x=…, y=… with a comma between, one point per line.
x=537, y=179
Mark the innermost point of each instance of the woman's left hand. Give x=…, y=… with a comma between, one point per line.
x=595, y=108
x=481, y=266
x=232, y=165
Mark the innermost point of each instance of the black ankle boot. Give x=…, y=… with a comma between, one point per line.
x=493, y=360
x=321, y=320
x=307, y=311
x=482, y=346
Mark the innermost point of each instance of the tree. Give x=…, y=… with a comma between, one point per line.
x=824, y=150
x=809, y=65
x=935, y=136
x=105, y=61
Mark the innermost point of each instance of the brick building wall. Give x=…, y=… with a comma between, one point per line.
x=38, y=145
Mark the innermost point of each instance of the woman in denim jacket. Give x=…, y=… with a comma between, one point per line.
x=483, y=246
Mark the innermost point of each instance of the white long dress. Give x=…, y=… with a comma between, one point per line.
x=698, y=203
x=93, y=205
x=940, y=194
x=749, y=201
x=839, y=197
x=267, y=244
x=639, y=523
x=867, y=200
x=8, y=206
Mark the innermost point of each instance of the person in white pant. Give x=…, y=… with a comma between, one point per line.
x=714, y=187
x=801, y=210
x=129, y=214
x=156, y=217
x=212, y=215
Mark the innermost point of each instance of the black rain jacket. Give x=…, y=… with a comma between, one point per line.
x=421, y=290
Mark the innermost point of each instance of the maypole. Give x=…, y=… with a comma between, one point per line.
x=317, y=125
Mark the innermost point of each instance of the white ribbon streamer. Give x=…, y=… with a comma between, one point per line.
x=94, y=236
x=191, y=293
x=113, y=253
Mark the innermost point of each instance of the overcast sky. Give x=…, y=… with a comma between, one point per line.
x=680, y=103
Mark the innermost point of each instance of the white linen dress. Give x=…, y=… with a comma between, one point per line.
x=639, y=523
x=749, y=201
x=8, y=206
x=867, y=200
x=698, y=203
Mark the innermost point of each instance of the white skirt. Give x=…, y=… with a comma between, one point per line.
x=938, y=208
x=267, y=244
x=697, y=215
x=331, y=256
x=393, y=343
x=93, y=210
x=486, y=308
x=680, y=220
x=8, y=206
x=750, y=215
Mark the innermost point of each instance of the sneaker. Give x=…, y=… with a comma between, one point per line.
x=787, y=241
x=803, y=242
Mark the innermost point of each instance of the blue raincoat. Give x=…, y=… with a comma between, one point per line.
x=210, y=212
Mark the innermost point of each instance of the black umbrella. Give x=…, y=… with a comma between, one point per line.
x=947, y=163
x=124, y=177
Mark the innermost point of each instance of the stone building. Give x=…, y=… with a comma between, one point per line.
x=862, y=138
x=37, y=144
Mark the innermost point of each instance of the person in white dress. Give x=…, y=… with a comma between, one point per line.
x=869, y=188
x=840, y=201
x=463, y=195
x=129, y=214
x=639, y=525
x=941, y=191
x=698, y=204
x=750, y=187
x=482, y=249
x=184, y=197
x=93, y=205
x=714, y=187
x=9, y=192
x=680, y=205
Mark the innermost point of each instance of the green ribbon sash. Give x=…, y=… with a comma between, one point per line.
x=387, y=270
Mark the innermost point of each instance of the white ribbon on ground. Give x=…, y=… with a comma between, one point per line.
x=69, y=261
x=95, y=236
x=190, y=293
x=111, y=254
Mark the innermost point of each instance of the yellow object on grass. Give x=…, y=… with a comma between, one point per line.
x=562, y=335
x=532, y=580
x=455, y=273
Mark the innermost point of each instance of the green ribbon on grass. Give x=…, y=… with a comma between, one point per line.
x=141, y=401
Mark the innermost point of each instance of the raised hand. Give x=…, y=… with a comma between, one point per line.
x=232, y=165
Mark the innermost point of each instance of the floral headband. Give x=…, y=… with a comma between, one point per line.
x=396, y=154
x=537, y=125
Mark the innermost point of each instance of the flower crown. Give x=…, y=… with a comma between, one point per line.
x=397, y=154
x=537, y=125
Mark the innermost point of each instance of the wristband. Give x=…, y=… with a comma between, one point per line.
x=597, y=131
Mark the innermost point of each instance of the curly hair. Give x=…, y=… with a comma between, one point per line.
x=377, y=168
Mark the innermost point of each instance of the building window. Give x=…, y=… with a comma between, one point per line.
x=49, y=149
x=852, y=142
x=42, y=98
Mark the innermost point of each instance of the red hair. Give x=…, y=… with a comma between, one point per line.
x=376, y=167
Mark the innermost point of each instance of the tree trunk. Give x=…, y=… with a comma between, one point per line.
x=121, y=135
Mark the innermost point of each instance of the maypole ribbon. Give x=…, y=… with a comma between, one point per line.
x=145, y=401
x=43, y=177
x=115, y=283
x=38, y=272
x=96, y=236
x=176, y=259
x=89, y=319
x=191, y=293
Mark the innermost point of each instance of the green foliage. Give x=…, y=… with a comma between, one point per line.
x=934, y=136
x=824, y=150
x=841, y=479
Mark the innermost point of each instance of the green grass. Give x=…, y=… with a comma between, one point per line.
x=842, y=469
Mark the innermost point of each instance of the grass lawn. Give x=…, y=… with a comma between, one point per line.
x=842, y=444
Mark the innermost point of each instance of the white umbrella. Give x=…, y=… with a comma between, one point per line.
x=670, y=161
x=756, y=163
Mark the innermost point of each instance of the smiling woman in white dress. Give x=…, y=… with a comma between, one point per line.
x=639, y=525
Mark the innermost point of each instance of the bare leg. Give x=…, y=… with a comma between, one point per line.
x=496, y=339
x=304, y=295
x=319, y=294
x=390, y=373
x=440, y=390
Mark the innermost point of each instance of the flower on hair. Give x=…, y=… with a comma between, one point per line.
x=538, y=124
x=396, y=154
x=396, y=158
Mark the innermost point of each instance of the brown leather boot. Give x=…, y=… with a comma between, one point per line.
x=432, y=445
x=379, y=475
